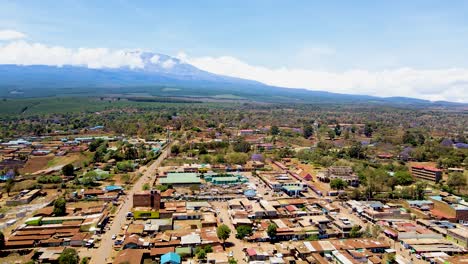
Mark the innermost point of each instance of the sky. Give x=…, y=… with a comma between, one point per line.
x=413, y=48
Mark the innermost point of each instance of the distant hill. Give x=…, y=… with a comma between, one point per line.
x=163, y=76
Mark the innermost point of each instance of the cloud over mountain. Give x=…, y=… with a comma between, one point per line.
x=433, y=84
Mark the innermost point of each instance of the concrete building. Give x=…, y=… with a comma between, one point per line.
x=150, y=199
x=426, y=173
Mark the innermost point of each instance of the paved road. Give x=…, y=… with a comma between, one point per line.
x=103, y=254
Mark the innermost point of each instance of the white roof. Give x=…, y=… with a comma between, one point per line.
x=309, y=246
x=190, y=239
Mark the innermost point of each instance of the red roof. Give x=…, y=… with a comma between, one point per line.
x=251, y=252
x=427, y=168
x=291, y=208
x=441, y=215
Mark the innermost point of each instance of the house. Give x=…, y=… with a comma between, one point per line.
x=130, y=256
x=217, y=258
x=170, y=258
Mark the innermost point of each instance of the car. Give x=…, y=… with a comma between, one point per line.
x=114, y=236
x=231, y=254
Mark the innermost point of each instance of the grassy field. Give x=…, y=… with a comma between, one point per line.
x=61, y=105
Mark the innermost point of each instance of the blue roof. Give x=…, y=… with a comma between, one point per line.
x=113, y=188
x=170, y=257
x=250, y=193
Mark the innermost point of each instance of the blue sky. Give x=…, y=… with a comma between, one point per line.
x=326, y=36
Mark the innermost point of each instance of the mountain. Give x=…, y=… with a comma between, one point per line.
x=163, y=76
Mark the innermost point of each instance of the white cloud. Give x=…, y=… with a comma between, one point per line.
x=24, y=53
x=11, y=35
x=168, y=64
x=155, y=59
x=437, y=84
x=440, y=84
x=182, y=56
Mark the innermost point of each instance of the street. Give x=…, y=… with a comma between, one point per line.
x=103, y=254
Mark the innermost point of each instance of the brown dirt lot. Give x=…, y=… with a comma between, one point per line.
x=36, y=163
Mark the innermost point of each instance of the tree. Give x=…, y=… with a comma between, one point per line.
x=237, y=158
x=274, y=130
x=420, y=187
x=68, y=170
x=232, y=260
x=95, y=144
x=175, y=149
x=355, y=232
x=146, y=186
x=9, y=185
x=69, y=256
x=456, y=180
x=331, y=134
x=241, y=146
x=403, y=178
x=338, y=184
x=223, y=232
x=368, y=130
x=60, y=207
x=307, y=131
x=2, y=240
x=201, y=253
x=272, y=230
x=243, y=231
x=356, y=151
x=337, y=130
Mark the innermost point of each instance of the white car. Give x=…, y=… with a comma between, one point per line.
x=114, y=236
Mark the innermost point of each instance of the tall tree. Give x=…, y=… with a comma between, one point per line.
x=223, y=232
x=368, y=130
x=60, y=207
x=307, y=131
x=272, y=230
x=456, y=180
x=68, y=170
x=9, y=185
x=274, y=130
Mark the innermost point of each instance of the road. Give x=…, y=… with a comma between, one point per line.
x=103, y=254
x=237, y=245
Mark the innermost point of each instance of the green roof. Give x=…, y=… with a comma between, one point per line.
x=183, y=251
x=180, y=178
x=225, y=179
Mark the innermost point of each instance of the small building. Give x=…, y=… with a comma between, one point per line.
x=170, y=258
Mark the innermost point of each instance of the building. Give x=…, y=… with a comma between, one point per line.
x=344, y=173
x=181, y=179
x=170, y=258
x=426, y=173
x=458, y=235
x=449, y=208
x=150, y=199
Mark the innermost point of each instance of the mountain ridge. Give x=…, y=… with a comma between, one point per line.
x=158, y=75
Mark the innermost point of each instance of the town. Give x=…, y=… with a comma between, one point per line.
x=230, y=195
